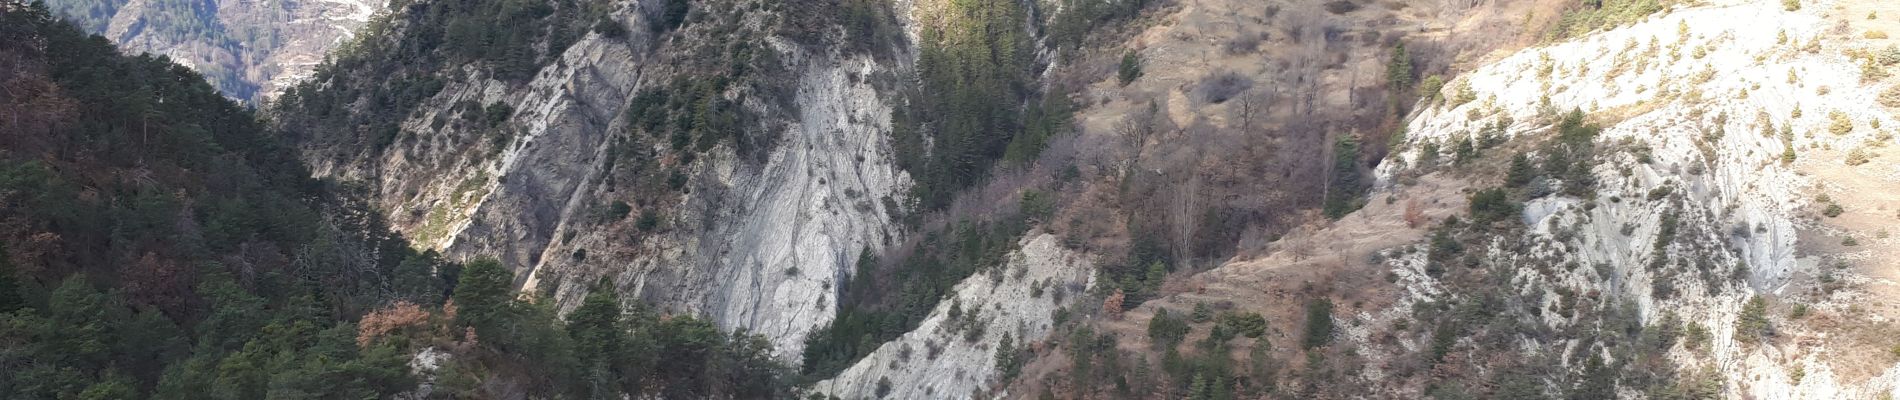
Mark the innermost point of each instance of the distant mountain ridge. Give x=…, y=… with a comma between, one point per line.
x=249, y=50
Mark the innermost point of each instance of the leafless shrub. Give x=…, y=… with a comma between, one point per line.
x=1339, y=7
x=1222, y=86
x=1245, y=43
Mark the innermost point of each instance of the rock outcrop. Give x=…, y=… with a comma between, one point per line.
x=760, y=241
x=953, y=353
x=1723, y=123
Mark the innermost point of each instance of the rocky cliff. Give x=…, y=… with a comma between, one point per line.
x=1681, y=207
x=553, y=174
x=1732, y=126
x=1624, y=198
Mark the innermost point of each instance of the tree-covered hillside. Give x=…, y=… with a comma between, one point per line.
x=156, y=242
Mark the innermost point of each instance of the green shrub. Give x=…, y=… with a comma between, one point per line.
x=1036, y=204
x=1319, y=323
x=1130, y=68
x=1430, y=88
x=1840, y=124
x=648, y=220
x=615, y=211
x=1166, y=330
x=1464, y=94
x=608, y=27
x=1753, y=323
x=1249, y=324
x=1493, y=205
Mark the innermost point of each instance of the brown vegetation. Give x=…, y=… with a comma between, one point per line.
x=396, y=316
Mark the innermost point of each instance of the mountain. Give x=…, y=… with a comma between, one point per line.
x=1081, y=199
x=159, y=241
x=1653, y=200
x=249, y=50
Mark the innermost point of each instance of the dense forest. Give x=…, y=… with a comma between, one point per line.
x=157, y=242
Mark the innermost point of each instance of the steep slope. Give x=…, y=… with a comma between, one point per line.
x=830, y=180
x=249, y=50
x=1674, y=237
x=159, y=242
x=1719, y=163
x=729, y=160
x=153, y=233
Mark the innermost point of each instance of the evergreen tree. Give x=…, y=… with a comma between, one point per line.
x=1465, y=152
x=1598, y=381
x=484, y=294
x=415, y=279
x=1199, y=389
x=1319, y=323
x=599, y=340
x=1753, y=323
x=1157, y=274
x=10, y=298
x=1130, y=68
x=1398, y=71
x=1167, y=330
x=1344, y=195
x=1520, y=173
x=82, y=323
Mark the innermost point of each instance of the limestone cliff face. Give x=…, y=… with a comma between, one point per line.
x=763, y=246
x=757, y=241
x=942, y=358
x=1701, y=105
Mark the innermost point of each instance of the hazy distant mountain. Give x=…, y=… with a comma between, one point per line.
x=248, y=49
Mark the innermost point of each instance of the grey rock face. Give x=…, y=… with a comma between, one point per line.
x=940, y=360
x=760, y=244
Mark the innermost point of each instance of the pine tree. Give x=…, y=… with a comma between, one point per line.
x=10, y=298
x=1157, y=273
x=1465, y=152
x=484, y=293
x=1130, y=68
x=1199, y=389
x=1223, y=389
x=1343, y=195
x=1008, y=363
x=1753, y=324
x=1398, y=71
x=1520, y=172
x=599, y=338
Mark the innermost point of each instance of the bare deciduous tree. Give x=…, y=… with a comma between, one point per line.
x=1185, y=212
x=1135, y=129
x=1414, y=216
